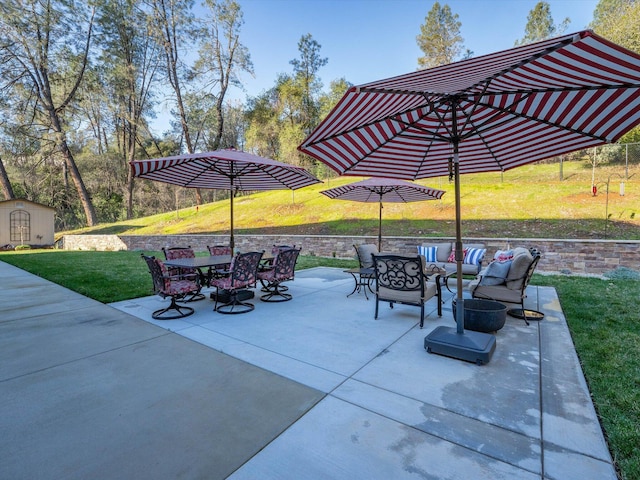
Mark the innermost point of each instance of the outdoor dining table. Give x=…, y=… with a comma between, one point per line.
x=200, y=263
x=206, y=262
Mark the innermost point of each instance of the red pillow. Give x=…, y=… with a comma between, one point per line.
x=452, y=257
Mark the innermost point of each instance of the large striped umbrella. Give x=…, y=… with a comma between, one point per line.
x=383, y=189
x=225, y=170
x=489, y=113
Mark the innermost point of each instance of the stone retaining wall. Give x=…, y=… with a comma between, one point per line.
x=580, y=257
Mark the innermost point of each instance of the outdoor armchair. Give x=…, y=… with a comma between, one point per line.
x=216, y=250
x=177, y=287
x=242, y=274
x=282, y=270
x=510, y=288
x=401, y=279
x=173, y=253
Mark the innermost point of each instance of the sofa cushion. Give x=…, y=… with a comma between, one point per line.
x=495, y=273
x=522, y=258
x=474, y=256
x=444, y=250
x=430, y=253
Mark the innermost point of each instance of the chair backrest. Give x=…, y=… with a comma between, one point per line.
x=219, y=249
x=158, y=273
x=278, y=248
x=530, y=270
x=364, y=252
x=172, y=253
x=400, y=273
x=285, y=264
x=244, y=269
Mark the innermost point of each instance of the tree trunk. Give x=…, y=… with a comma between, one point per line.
x=83, y=194
x=7, y=190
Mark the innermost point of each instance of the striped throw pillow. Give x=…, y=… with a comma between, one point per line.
x=474, y=256
x=429, y=253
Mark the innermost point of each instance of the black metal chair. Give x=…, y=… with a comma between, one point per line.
x=173, y=253
x=364, y=275
x=267, y=264
x=242, y=274
x=220, y=270
x=176, y=287
x=282, y=270
x=401, y=279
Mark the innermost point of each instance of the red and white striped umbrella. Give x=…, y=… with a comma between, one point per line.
x=489, y=113
x=224, y=170
x=383, y=189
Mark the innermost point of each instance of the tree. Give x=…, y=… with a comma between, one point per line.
x=44, y=52
x=540, y=25
x=440, y=38
x=173, y=24
x=618, y=21
x=306, y=70
x=130, y=62
x=222, y=57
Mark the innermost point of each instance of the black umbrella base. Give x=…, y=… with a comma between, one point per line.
x=476, y=347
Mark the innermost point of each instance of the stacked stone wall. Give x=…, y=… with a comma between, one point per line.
x=580, y=257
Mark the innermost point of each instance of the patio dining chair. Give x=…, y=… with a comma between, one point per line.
x=177, y=287
x=267, y=264
x=220, y=270
x=282, y=270
x=402, y=279
x=174, y=253
x=242, y=275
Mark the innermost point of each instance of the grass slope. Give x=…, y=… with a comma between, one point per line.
x=529, y=201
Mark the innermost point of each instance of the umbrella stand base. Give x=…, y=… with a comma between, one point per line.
x=477, y=347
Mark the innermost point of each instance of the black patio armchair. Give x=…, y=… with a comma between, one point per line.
x=173, y=253
x=402, y=279
x=177, y=287
x=242, y=274
x=282, y=270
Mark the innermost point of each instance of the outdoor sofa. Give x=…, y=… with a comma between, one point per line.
x=442, y=255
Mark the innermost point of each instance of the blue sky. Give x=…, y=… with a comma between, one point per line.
x=366, y=40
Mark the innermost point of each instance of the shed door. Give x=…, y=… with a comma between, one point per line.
x=20, y=226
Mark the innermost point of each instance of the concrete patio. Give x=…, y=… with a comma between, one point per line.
x=314, y=388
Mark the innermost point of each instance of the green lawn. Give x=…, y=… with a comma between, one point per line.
x=602, y=317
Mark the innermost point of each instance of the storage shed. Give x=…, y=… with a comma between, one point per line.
x=23, y=222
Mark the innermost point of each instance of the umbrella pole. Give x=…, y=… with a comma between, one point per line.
x=232, y=242
x=459, y=252
x=380, y=227
x=471, y=346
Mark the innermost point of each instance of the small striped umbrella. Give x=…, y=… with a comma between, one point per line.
x=383, y=189
x=227, y=169
x=489, y=113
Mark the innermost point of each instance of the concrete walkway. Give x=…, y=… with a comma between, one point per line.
x=314, y=388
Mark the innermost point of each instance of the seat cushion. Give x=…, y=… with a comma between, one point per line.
x=522, y=258
x=499, y=293
x=412, y=296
